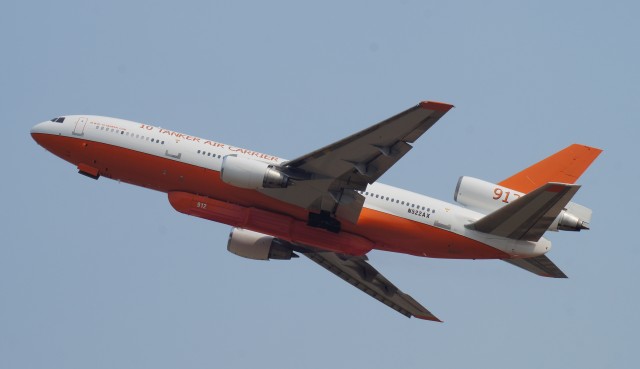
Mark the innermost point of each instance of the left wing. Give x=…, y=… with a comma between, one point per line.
x=328, y=179
x=356, y=270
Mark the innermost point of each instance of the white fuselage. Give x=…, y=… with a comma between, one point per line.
x=199, y=152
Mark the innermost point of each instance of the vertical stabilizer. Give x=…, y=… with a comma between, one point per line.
x=565, y=166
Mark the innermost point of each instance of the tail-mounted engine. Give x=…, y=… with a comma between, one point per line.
x=486, y=197
x=251, y=174
x=258, y=246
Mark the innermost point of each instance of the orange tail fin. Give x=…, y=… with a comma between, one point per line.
x=565, y=166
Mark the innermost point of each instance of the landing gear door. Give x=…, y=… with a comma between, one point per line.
x=79, y=128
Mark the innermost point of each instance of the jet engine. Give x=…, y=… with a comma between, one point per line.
x=258, y=246
x=486, y=197
x=251, y=174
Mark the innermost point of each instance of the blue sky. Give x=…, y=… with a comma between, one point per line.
x=107, y=275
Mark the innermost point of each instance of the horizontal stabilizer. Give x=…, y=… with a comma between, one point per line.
x=540, y=265
x=530, y=216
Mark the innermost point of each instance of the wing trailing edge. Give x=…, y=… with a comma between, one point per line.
x=540, y=265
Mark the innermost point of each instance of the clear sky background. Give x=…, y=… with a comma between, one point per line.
x=96, y=274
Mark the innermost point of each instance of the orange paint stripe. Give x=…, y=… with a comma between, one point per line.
x=387, y=232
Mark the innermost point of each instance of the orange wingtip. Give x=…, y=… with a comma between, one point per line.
x=426, y=317
x=437, y=106
x=555, y=188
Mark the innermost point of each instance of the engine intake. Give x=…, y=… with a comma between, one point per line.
x=258, y=246
x=251, y=174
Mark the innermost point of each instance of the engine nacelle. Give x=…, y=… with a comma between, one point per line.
x=486, y=197
x=258, y=246
x=251, y=174
x=483, y=196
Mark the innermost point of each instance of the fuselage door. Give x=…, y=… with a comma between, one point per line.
x=79, y=129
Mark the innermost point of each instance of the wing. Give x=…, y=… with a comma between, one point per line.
x=363, y=276
x=540, y=265
x=328, y=179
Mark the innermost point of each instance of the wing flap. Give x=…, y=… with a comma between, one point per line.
x=530, y=216
x=540, y=265
x=366, y=278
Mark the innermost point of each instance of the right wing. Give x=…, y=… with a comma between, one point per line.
x=328, y=179
x=363, y=276
x=540, y=265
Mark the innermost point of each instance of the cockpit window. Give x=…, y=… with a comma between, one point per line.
x=58, y=120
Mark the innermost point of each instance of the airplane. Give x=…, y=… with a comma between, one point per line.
x=328, y=204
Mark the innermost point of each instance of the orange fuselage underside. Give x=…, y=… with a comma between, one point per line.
x=384, y=231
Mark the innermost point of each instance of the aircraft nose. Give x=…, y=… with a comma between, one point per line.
x=52, y=127
x=39, y=131
x=38, y=128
